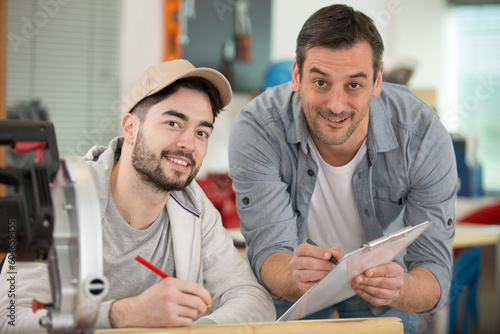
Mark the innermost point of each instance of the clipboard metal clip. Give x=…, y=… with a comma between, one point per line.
x=393, y=236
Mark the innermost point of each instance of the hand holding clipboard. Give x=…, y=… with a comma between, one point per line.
x=335, y=286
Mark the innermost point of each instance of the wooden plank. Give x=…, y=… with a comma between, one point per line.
x=470, y=235
x=356, y=326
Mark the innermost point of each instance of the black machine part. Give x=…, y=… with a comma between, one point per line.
x=26, y=215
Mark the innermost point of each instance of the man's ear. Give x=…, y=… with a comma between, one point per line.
x=295, y=76
x=378, y=82
x=129, y=124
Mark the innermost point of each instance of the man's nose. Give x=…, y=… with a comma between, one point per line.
x=336, y=100
x=186, y=141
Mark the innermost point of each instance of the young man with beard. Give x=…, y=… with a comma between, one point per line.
x=341, y=158
x=153, y=208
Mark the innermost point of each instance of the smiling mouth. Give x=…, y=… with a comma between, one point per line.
x=177, y=161
x=336, y=120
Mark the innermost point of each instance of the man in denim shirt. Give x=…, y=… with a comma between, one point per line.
x=342, y=158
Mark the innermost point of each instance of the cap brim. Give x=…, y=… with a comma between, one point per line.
x=160, y=76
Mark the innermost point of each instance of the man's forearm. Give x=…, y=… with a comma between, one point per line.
x=277, y=276
x=421, y=292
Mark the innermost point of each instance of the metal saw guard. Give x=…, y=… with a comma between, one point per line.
x=75, y=258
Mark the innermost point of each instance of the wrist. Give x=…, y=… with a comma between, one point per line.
x=277, y=277
x=401, y=301
x=120, y=315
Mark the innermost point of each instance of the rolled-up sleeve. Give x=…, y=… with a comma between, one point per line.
x=268, y=220
x=432, y=197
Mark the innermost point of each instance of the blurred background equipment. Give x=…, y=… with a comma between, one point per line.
x=27, y=111
x=243, y=30
x=468, y=168
x=399, y=75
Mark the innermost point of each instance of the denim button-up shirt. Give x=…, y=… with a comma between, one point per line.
x=409, y=176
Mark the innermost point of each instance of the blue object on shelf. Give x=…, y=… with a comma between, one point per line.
x=463, y=296
x=278, y=73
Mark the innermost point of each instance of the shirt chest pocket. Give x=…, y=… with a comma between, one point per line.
x=388, y=203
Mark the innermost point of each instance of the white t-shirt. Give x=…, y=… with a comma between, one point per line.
x=333, y=215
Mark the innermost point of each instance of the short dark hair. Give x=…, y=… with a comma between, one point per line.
x=195, y=83
x=338, y=27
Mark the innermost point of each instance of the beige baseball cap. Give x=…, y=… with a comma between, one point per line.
x=159, y=76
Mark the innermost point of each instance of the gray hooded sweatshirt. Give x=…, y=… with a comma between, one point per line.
x=187, y=241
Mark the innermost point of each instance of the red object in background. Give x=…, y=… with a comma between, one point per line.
x=245, y=48
x=486, y=214
x=219, y=190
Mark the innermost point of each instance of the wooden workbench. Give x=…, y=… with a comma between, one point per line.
x=354, y=326
x=488, y=238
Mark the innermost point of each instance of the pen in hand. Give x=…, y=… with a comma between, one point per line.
x=151, y=266
x=332, y=259
x=159, y=271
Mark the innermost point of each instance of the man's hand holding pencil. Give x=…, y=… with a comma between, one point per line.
x=169, y=303
x=310, y=263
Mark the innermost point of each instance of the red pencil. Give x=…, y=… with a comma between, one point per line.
x=155, y=268
x=151, y=266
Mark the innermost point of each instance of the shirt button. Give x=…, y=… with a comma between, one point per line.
x=298, y=213
x=245, y=200
x=310, y=172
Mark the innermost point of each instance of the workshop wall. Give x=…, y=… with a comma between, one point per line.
x=214, y=25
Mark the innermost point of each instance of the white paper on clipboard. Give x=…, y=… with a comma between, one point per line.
x=335, y=286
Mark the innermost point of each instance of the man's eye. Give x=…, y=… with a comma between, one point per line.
x=172, y=123
x=320, y=83
x=203, y=134
x=354, y=85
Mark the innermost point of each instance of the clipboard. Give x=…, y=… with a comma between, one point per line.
x=335, y=286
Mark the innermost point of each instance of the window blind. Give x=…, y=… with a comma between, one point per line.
x=65, y=55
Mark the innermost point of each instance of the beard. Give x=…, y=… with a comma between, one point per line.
x=149, y=167
x=326, y=136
